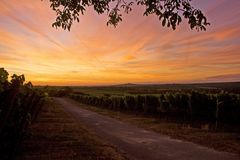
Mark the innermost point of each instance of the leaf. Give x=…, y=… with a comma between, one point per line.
x=164, y=22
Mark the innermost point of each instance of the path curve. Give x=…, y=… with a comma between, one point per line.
x=138, y=143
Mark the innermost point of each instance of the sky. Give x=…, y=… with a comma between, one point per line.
x=138, y=50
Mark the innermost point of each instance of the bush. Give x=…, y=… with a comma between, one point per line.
x=130, y=103
x=228, y=110
x=151, y=104
x=19, y=105
x=194, y=106
x=164, y=107
x=140, y=103
x=203, y=106
x=63, y=92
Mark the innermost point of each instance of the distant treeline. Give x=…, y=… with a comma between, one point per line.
x=19, y=106
x=194, y=106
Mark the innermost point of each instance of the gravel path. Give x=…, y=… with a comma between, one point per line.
x=138, y=143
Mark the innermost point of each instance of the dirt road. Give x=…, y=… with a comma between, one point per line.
x=138, y=143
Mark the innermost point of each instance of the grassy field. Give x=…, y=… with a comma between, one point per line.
x=131, y=89
x=153, y=89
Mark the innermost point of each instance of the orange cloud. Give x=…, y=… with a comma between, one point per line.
x=129, y=57
x=139, y=50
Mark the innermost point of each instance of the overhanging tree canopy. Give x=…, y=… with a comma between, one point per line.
x=169, y=12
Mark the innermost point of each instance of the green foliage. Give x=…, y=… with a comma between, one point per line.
x=130, y=102
x=63, y=92
x=170, y=12
x=194, y=106
x=176, y=104
x=164, y=106
x=151, y=104
x=140, y=103
x=228, y=108
x=203, y=106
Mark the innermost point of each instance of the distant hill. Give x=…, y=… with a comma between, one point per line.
x=126, y=85
x=221, y=85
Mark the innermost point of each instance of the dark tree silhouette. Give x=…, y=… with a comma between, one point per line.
x=169, y=12
x=19, y=105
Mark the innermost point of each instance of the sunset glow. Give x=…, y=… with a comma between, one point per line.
x=139, y=50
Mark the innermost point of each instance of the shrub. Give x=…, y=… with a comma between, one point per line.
x=203, y=106
x=140, y=103
x=228, y=108
x=19, y=105
x=151, y=104
x=130, y=103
